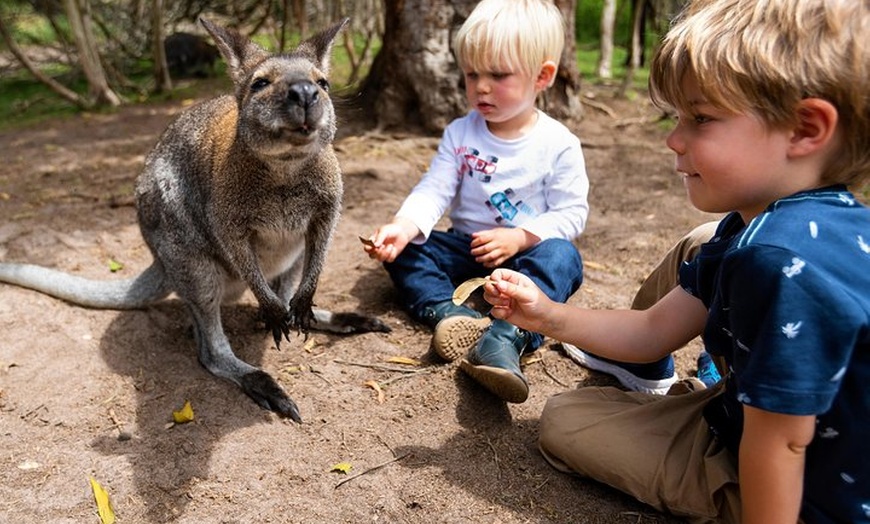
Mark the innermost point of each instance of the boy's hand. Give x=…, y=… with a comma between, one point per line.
x=515, y=298
x=492, y=247
x=390, y=240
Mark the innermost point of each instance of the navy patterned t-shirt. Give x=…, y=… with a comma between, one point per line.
x=788, y=297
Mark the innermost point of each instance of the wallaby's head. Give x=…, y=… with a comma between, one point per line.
x=285, y=112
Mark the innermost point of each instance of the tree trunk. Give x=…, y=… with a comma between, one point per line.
x=605, y=59
x=636, y=51
x=414, y=80
x=89, y=58
x=162, y=80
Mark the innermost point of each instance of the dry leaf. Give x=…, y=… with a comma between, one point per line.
x=185, y=414
x=404, y=360
x=593, y=265
x=342, y=467
x=377, y=387
x=104, y=506
x=366, y=241
x=465, y=289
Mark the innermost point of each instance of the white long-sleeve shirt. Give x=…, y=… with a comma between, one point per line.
x=537, y=182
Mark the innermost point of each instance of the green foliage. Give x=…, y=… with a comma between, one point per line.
x=587, y=22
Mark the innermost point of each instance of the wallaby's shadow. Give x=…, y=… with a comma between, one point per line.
x=155, y=348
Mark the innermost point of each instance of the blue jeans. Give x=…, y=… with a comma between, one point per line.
x=426, y=274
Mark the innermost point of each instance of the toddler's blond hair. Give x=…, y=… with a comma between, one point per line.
x=764, y=57
x=510, y=36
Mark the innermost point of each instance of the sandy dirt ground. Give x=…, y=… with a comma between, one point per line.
x=90, y=394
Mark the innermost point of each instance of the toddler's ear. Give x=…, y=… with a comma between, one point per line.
x=816, y=127
x=546, y=76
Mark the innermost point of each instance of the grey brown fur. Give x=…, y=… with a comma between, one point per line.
x=240, y=192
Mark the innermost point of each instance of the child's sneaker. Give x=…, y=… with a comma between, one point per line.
x=708, y=373
x=655, y=378
x=457, y=335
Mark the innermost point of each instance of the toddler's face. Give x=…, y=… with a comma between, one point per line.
x=506, y=99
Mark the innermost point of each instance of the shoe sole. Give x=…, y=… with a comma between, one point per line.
x=457, y=335
x=500, y=382
x=626, y=378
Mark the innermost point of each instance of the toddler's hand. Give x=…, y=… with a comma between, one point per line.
x=517, y=299
x=492, y=247
x=390, y=240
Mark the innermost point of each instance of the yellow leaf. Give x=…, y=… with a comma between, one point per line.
x=404, y=360
x=342, y=467
x=185, y=414
x=465, y=289
x=115, y=266
x=104, y=506
x=377, y=387
x=593, y=265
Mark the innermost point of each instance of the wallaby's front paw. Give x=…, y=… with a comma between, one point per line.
x=261, y=387
x=356, y=323
x=301, y=315
x=278, y=322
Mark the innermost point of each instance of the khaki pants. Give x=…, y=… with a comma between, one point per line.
x=658, y=449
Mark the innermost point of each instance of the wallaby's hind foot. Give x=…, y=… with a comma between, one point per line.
x=263, y=389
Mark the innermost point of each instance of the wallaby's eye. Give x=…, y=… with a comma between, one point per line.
x=324, y=84
x=259, y=84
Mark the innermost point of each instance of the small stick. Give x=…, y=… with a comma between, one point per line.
x=380, y=367
x=373, y=468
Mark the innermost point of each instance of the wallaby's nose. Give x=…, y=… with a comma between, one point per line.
x=302, y=94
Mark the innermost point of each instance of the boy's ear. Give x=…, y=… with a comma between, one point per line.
x=816, y=127
x=546, y=76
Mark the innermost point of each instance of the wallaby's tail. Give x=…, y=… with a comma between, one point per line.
x=138, y=292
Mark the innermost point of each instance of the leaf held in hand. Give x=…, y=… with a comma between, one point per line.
x=367, y=241
x=104, y=506
x=342, y=467
x=185, y=414
x=465, y=289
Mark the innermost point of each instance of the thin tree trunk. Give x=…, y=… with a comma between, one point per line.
x=162, y=80
x=605, y=59
x=89, y=57
x=636, y=51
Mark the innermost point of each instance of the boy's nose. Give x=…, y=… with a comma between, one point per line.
x=674, y=141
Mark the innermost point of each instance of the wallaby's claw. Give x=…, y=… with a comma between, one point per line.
x=263, y=389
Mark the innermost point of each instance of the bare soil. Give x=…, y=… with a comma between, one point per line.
x=87, y=393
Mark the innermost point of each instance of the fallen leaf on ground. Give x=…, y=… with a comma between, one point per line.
x=377, y=387
x=115, y=266
x=342, y=467
x=185, y=414
x=404, y=360
x=104, y=506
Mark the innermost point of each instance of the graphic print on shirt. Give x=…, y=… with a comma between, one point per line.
x=505, y=204
x=476, y=167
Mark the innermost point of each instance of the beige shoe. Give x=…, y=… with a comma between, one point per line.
x=455, y=336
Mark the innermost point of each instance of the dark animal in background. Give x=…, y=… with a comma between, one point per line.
x=241, y=191
x=189, y=56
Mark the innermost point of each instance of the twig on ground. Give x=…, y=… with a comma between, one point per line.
x=373, y=468
x=604, y=108
x=495, y=457
x=397, y=378
x=551, y=375
x=380, y=367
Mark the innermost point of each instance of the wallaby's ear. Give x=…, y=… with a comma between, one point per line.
x=318, y=48
x=240, y=53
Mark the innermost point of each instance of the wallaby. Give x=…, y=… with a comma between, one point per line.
x=240, y=191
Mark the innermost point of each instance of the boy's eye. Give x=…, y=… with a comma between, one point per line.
x=701, y=119
x=500, y=76
x=471, y=75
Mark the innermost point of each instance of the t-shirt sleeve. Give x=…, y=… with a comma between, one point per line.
x=792, y=331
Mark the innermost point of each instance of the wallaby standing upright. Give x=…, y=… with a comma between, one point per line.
x=240, y=191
